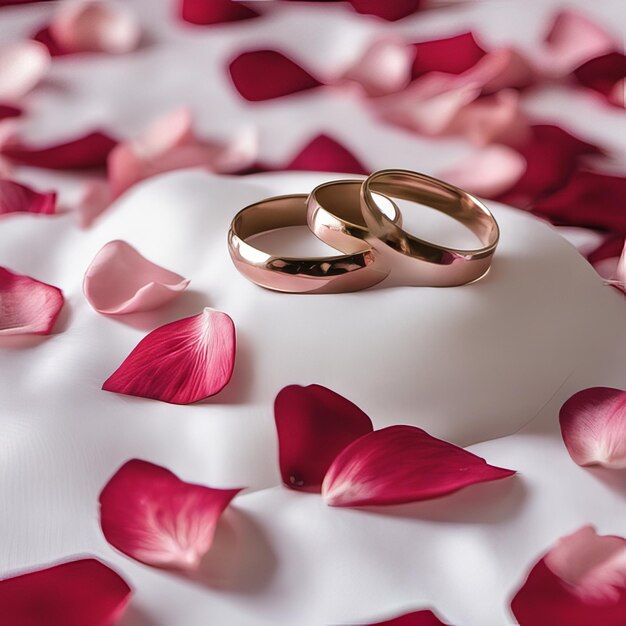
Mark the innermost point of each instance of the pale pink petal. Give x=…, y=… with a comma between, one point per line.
x=593, y=425
x=94, y=200
x=402, y=464
x=617, y=95
x=489, y=172
x=182, y=362
x=151, y=515
x=500, y=69
x=384, y=68
x=22, y=65
x=95, y=26
x=119, y=280
x=27, y=306
x=16, y=198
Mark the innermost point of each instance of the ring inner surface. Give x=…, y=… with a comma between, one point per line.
x=271, y=214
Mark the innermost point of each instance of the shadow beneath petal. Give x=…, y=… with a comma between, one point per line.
x=134, y=616
x=614, y=479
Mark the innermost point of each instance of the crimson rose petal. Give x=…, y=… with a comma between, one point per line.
x=402, y=464
x=207, y=12
x=16, y=198
x=314, y=425
x=417, y=618
x=84, y=592
x=151, y=515
x=267, y=74
x=324, y=154
x=390, y=10
x=180, y=362
x=27, y=306
x=604, y=74
x=452, y=55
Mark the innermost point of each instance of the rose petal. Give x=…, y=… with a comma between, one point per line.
x=181, y=362
x=151, y=515
x=27, y=306
x=267, y=74
x=489, y=172
x=44, y=36
x=95, y=198
x=417, y=618
x=609, y=259
x=452, y=55
x=606, y=75
x=75, y=593
x=390, y=10
x=324, y=154
x=314, y=425
x=85, y=152
x=402, y=464
x=207, y=12
x=16, y=198
x=581, y=581
x=500, y=69
x=93, y=26
x=593, y=425
x=589, y=199
x=22, y=65
x=119, y=280
x=8, y=111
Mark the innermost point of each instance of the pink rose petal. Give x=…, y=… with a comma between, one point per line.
x=417, y=618
x=27, y=306
x=94, y=199
x=119, y=280
x=609, y=260
x=500, y=69
x=390, y=10
x=402, y=464
x=208, y=12
x=314, y=425
x=22, y=65
x=324, y=154
x=151, y=515
x=16, y=198
x=181, y=362
x=452, y=55
x=266, y=74
x=580, y=582
x=593, y=425
x=44, y=36
x=84, y=592
x=605, y=74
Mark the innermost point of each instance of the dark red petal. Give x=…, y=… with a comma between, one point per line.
x=207, y=12
x=151, y=515
x=402, y=464
x=181, y=362
x=612, y=247
x=590, y=200
x=266, y=74
x=16, y=198
x=77, y=593
x=8, y=110
x=85, y=152
x=44, y=36
x=452, y=55
x=417, y=618
x=602, y=73
x=390, y=10
x=324, y=154
x=8, y=3
x=314, y=425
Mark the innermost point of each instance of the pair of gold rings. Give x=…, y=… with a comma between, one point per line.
x=359, y=219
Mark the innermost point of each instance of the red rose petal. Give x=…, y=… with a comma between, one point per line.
x=324, y=154
x=266, y=74
x=580, y=582
x=27, y=306
x=604, y=74
x=593, y=425
x=181, y=362
x=84, y=592
x=608, y=251
x=120, y=280
x=7, y=111
x=402, y=464
x=8, y=3
x=44, y=36
x=452, y=55
x=314, y=425
x=151, y=515
x=390, y=10
x=417, y=618
x=85, y=152
x=16, y=198
x=207, y=12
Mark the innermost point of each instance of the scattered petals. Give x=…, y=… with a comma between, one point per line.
x=581, y=581
x=22, y=65
x=208, y=12
x=314, y=425
x=417, y=618
x=606, y=75
x=181, y=362
x=151, y=515
x=324, y=154
x=267, y=74
x=452, y=55
x=390, y=10
x=593, y=425
x=16, y=198
x=27, y=306
x=402, y=464
x=119, y=280
x=75, y=593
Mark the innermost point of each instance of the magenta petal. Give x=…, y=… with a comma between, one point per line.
x=120, y=280
x=416, y=618
x=7, y=111
x=151, y=515
x=604, y=74
x=181, y=362
x=266, y=74
x=580, y=582
x=208, y=12
x=390, y=10
x=402, y=464
x=452, y=55
x=593, y=425
x=77, y=593
x=27, y=306
x=16, y=198
x=314, y=425
x=324, y=154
